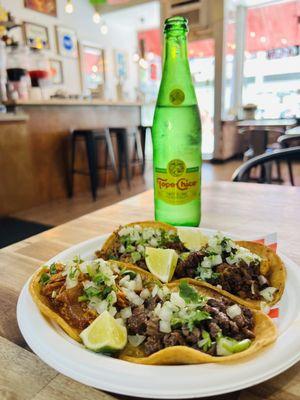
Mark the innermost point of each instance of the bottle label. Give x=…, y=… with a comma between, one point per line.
x=177, y=184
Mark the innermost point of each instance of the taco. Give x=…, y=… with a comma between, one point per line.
x=127, y=243
x=248, y=272
x=178, y=323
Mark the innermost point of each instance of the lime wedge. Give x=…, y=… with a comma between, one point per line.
x=161, y=262
x=192, y=238
x=104, y=334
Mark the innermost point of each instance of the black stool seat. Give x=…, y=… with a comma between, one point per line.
x=91, y=137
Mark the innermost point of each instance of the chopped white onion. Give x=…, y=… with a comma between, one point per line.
x=130, y=285
x=262, y=280
x=268, y=293
x=233, y=311
x=125, y=279
x=122, y=249
x=126, y=313
x=145, y=294
x=165, y=314
x=164, y=326
x=136, y=340
x=155, y=291
x=138, y=282
x=133, y=297
x=101, y=307
x=177, y=300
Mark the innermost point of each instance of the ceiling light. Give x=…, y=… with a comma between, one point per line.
x=69, y=7
x=96, y=18
x=263, y=39
x=135, y=57
x=143, y=63
x=252, y=34
x=104, y=29
x=284, y=41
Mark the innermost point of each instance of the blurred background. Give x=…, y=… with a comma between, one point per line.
x=78, y=85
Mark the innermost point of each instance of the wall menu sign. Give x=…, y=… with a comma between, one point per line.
x=290, y=51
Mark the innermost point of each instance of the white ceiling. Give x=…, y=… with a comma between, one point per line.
x=141, y=17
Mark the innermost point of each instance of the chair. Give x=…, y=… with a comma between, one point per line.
x=124, y=136
x=286, y=141
x=258, y=144
x=242, y=173
x=91, y=137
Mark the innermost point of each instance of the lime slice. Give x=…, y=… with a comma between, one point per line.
x=161, y=262
x=192, y=238
x=104, y=334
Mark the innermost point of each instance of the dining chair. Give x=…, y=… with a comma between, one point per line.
x=242, y=173
x=286, y=141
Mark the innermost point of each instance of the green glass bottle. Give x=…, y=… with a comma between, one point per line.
x=176, y=135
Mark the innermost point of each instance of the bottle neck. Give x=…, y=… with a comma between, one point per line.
x=176, y=87
x=175, y=52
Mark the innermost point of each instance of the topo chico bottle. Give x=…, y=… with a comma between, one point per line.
x=176, y=135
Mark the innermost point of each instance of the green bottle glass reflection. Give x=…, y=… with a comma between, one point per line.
x=176, y=135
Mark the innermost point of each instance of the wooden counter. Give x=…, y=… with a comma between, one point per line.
x=35, y=151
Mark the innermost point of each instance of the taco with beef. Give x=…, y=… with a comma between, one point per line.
x=122, y=310
x=245, y=271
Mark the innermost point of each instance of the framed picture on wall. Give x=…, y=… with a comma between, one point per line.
x=44, y=6
x=66, y=42
x=36, y=36
x=92, y=66
x=56, y=68
x=121, y=65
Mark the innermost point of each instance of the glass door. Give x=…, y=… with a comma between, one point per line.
x=202, y=64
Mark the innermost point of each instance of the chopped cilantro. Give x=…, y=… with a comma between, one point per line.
x=205, y=343
x=77, y=260
x=131, y=274
x=98, y=278
x=72, y=272
x=92, y=291
x=135, y=256
x=53, y=269
x=196, y=317
x=188, y=293
x=45, y=278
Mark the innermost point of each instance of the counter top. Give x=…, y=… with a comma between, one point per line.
x=11, y=117
x=74, y=102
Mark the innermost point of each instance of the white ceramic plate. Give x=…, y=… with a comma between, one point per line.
x=54, y=347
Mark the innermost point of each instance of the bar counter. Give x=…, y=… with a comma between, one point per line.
x=35, y=148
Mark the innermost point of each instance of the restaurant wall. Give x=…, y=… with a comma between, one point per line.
x=119, y=37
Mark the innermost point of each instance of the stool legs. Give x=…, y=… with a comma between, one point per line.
x=111, y=154
x=92, y=161
x=71, y=173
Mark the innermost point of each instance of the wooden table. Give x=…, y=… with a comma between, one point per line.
x=267, y=123
x=241, y=208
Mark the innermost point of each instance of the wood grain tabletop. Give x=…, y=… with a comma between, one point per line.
x=248, y=210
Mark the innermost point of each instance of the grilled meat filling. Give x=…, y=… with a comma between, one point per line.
x=240, y=279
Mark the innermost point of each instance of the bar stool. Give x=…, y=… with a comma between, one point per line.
x=124, y=135
x=91, y=138
x=143, y=131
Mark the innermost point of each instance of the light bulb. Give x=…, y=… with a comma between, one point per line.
x=143, y=63
x=104, y=29
x=96, y=18
x=135, y=57
x=69, y=7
